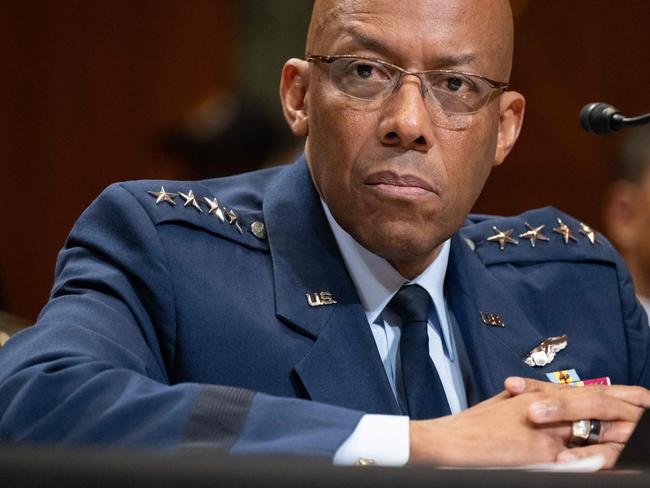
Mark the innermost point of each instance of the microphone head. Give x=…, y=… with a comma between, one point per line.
x=600, y=118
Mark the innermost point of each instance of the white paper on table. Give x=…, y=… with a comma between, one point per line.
x=585, y=465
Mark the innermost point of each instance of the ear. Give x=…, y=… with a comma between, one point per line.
x=511, y=117
x=293, y=94
x=621, y=215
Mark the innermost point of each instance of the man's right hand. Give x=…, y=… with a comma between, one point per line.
x=501, y=432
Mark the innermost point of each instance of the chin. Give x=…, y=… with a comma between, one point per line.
x=401, y=242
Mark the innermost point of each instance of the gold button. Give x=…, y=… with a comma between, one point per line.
x=365, y=462
x=4, y=337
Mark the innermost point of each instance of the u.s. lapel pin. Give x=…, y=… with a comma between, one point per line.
x=492, y=319
x=545, y=353
x=319, y=299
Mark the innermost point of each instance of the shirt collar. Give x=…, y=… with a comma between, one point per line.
x=375, y=279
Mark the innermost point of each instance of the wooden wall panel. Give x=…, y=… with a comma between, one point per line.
x=86, y=88
x=568, y=54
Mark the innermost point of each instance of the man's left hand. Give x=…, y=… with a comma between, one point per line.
x=564, y=404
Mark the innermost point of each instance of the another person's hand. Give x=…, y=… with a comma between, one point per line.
x=618, y=407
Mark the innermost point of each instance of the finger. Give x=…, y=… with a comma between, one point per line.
x=570, y=405
x=610, y=451
x=636, y=395
x=516, y=385
x=616, y=431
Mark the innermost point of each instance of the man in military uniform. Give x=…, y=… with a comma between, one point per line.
x=346, y=305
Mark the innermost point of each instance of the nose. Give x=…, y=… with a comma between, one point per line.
x=405, y=120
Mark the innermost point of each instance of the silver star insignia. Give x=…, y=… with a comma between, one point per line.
x=564, y=231
x=215, y=209
x=163, y=196
x=503, y=238
x=533, y=234
x=589, y=233
x=234, y=219
x=190, y=199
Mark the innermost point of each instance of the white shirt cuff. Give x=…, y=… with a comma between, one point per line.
x=378, y=439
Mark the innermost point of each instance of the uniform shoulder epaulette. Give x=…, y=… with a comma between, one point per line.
x=545, y=234
x=195, y=204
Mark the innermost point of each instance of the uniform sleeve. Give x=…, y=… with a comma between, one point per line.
x=94, y=369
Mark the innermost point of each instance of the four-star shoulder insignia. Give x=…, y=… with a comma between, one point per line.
x=565, y=231
x=190, y=199
x=503, y=238
x=163, y=196
x=257, y=228
x=534, y=234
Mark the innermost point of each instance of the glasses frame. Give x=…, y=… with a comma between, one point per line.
x=494, y=85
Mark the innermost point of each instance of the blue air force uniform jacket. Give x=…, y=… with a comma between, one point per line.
x=169, y=327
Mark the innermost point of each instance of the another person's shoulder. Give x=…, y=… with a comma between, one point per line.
x=544, y=234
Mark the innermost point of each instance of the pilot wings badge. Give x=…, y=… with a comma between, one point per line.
x=545, y=353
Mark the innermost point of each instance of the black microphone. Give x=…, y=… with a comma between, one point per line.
x=602, y=118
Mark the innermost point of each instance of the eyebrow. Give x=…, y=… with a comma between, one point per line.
x=443, y=61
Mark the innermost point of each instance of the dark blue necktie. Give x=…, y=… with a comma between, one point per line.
x=425, y=395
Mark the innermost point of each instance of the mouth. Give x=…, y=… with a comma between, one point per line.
x=389, y=183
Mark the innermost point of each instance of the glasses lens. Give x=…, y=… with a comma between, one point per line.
x=457, y=93
x=361, y=78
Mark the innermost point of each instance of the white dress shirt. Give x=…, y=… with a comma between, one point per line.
x=385, y=438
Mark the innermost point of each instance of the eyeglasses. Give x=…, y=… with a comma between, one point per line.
x=452, y=92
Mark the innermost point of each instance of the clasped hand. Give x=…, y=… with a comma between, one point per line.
x=530, y=422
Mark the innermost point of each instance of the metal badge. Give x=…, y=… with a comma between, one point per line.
x=319, y=299
x=215, y=209
x=163, y=196
x=545, y=353
x=492, y=319
x=565, y=231
x=190, y=200
x=534, y=234
x=233, y=219
x=589, y=233
x=258, y=230
x=503, y=237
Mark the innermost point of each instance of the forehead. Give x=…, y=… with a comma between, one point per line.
x=418, y=33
